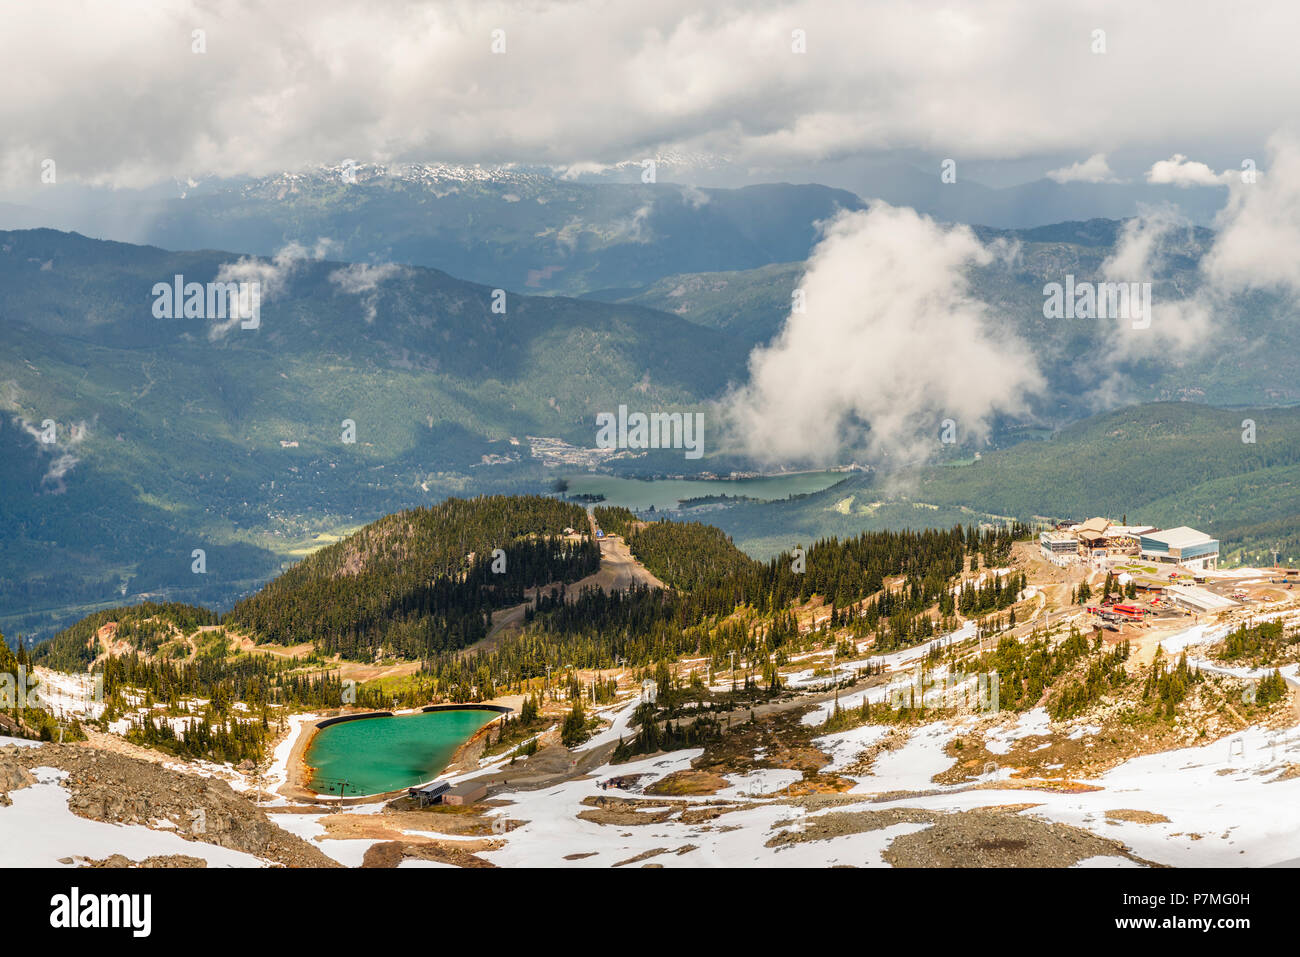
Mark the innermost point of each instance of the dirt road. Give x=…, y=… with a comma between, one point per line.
x=619, y=571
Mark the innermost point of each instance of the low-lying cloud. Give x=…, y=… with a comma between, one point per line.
x=271, y=275
x=1256, y=249
x=892, y=341
x=364, y=279
x=58, y=444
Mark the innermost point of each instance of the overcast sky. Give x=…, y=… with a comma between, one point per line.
x=114, y=93
x=1170, y=97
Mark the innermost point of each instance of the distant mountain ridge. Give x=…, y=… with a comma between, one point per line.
x=506, y=227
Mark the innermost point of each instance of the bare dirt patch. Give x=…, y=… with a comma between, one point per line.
x=710, y=812
x=1137, y=817
x=466, y=820
x=643, y=856
x=157, y=861
x=391, y=853
x=782, y=738
x=688, y=782
x=988, y=838
x=624, y=812
x=818, y=783
x=843, y=823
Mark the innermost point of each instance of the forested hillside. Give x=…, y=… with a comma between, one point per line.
x=422, y=580
x=613, y=521
x=689, y=555
x=749, y=610
x=1118, y=461
x=420, y=585
x=146, y=627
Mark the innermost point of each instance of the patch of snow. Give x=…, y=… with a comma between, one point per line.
x=1033, y=723
x=618, y=728
x=39, y=830
x=759, y=782
x=845, y=746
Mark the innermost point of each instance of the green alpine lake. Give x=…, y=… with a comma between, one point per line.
x=662, y=494
x=374, y=755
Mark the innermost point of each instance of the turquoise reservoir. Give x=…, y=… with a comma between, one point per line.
x=374, y=755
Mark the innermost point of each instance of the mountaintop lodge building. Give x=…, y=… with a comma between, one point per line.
x=1059, y=547
x=1181, y=546
x=1100, y=538
x=1092, y=537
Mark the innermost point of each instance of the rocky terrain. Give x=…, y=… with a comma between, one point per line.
x=118, y=789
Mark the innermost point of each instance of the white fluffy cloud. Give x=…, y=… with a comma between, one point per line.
x=891, y=342
x=113, y=92
x=1180, y=324
x=1258, y=241
x=363, y=279
x=1178, y=170
x=269, y=276
x=1094, y=169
